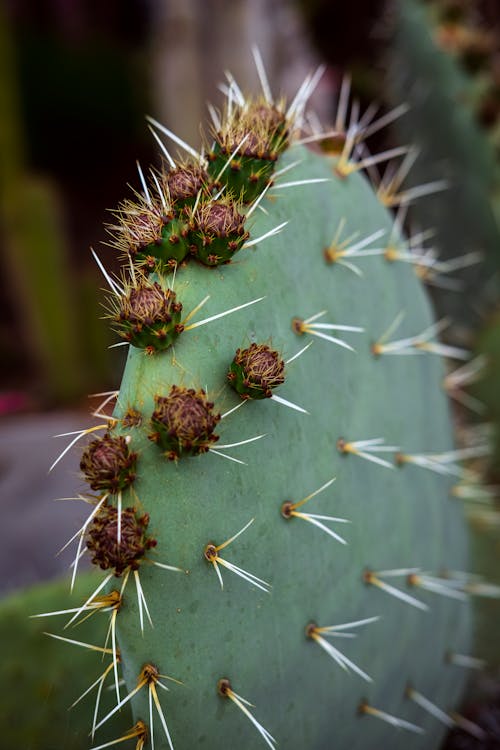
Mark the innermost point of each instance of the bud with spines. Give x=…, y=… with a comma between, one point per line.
x=127, y=553
x=217, y=231
x=184, y=423
x=151, y=232
x=184, y=183
x=108, y=464
x=255, y=371
x=148, y=316
x=251, y=140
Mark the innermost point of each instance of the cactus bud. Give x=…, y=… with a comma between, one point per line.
x=151, y=233
x=184, y=423
x=252, y=140
x=102, y=539
x=108, y=464
x=255, y=371
x=217, y=232
x=149, y=317
x=183, y=184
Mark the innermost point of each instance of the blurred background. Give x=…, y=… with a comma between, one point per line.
x=76, y=80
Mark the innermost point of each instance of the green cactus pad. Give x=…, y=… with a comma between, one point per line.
x=252, y=632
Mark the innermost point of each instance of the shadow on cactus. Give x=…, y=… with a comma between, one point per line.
x=269, y=627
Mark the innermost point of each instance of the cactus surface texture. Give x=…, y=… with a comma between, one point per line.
x=272, y=462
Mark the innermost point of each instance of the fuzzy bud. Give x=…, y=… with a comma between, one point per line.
x=251, y=140
x=102, y=539
x=255, y=371
x=149, y=317
x=108, y=464
x=184, y=423
x=151, y=233
x=184, y=183
x=217, y=232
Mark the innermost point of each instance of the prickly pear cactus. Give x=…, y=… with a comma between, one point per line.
x=445, y=68
x=274, y=481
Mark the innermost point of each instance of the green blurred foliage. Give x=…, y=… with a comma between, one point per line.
x=69, y=103
x=40, y=677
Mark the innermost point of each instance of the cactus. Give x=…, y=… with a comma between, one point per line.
x=429, y=67
x=272, y=476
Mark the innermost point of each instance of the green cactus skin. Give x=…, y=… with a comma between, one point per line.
x=240, y=173
x=399, y=517
x=171, y=247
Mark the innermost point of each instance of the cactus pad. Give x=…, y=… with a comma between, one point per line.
x=285, y=522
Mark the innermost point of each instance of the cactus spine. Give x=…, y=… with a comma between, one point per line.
x=273, y=496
